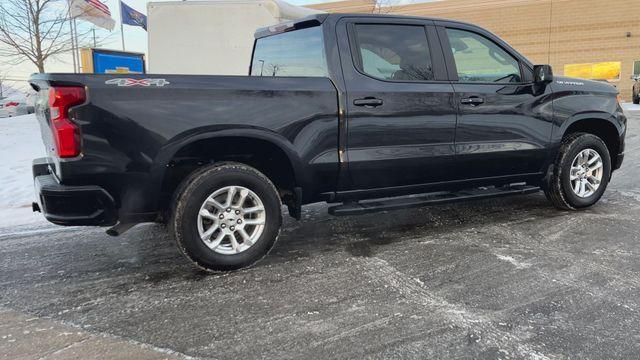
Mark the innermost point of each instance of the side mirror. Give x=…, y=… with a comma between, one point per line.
x=542, y=74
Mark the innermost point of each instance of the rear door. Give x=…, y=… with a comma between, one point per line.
x=504, y=120
x=401, y=113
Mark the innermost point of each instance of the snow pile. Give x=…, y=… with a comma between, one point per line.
x=630, y=107
x=20, y=142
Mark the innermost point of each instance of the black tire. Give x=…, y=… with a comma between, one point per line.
x=636, y=100
x=192, y=193
x=558, y=189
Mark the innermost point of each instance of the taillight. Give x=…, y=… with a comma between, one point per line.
x=65, y=133
x=11, y=103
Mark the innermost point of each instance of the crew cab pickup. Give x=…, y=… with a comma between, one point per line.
x=365, y=112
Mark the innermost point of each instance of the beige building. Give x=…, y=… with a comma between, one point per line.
x=597, y=39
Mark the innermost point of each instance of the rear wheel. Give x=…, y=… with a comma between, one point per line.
x=581, y=172
x=226, y=216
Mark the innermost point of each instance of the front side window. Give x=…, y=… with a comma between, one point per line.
x=295, y=53
x=394, y=52
x=479, y=59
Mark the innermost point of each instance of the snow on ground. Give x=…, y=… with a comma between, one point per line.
x=20, y=142
x=630, y=107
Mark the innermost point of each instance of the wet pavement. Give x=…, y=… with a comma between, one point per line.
x=494, y=279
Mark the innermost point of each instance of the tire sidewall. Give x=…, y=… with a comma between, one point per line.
x=581, y=143
x=194, y=195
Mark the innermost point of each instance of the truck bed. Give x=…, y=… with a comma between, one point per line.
x=132, y=126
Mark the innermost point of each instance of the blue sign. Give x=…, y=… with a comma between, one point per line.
x=113, y=62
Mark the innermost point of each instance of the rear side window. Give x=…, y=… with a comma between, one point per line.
x=295, y=53
x=394, y=52
x=479, y=59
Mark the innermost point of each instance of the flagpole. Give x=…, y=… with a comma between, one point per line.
x=73, y=53
x=76, y=46
x=121, y=25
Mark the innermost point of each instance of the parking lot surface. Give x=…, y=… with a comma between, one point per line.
x=494, y=279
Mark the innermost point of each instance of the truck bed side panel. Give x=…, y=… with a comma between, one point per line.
x=129, y=133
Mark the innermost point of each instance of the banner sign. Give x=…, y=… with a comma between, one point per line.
x=102, y=61
x=609, y=70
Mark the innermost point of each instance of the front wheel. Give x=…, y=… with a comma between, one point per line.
x=226, y=216
x=581, y=172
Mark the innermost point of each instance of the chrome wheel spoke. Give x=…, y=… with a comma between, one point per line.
x=595, y=167
x=246, y=239
x=215, y=203
x=576, y=187
x=230, y=194
x=257, y=221
x=252, y=210
x=234, y=242
x=214, y=244
x=206, y=236
x=208, y=215
x=593, y=180
x=243, y=197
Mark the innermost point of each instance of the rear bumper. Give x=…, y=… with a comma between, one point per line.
x=71, y=205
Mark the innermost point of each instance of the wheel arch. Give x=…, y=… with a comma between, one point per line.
x=263, y=143
x=603, y=127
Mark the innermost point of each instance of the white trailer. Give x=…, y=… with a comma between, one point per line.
x=210, y=37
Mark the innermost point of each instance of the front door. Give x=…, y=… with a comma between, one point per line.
x=504, y=120
x=401, y=111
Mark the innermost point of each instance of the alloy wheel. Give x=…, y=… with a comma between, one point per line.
x=586, y=173
x=231, y=220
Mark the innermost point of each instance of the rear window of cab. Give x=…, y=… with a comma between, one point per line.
x=294, y=53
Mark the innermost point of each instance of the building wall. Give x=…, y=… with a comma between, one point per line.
x=556, y=32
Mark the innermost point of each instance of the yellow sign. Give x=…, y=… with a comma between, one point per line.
x=609, y=70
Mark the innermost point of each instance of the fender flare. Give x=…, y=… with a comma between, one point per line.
x=164, y=156
x=589, y=116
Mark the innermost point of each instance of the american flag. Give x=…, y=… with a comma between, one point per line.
x=100, y=6
x=93, y=11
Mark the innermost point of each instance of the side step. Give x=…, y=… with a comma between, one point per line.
x=412, y=201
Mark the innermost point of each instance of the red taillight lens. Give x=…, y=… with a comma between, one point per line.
x=11, y=103
x=65, y=133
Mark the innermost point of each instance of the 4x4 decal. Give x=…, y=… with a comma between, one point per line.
x=137, y=82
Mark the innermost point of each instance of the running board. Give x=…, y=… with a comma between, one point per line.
x=370, y=206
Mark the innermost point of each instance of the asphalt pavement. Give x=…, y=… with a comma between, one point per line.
x=493, y=279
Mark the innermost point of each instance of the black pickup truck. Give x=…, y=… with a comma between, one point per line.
x=367, y=112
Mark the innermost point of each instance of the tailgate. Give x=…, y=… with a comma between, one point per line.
x=41, y=108
x=66, y=131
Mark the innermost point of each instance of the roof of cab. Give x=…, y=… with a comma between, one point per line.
x=318, y=19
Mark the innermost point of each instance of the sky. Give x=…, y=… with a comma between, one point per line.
x=135, y=40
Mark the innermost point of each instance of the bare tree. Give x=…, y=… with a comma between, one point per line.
x=36, y=31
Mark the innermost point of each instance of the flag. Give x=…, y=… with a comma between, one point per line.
x=132, y=17
x=92, y=11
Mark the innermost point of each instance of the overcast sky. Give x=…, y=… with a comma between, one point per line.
x=135, y=38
